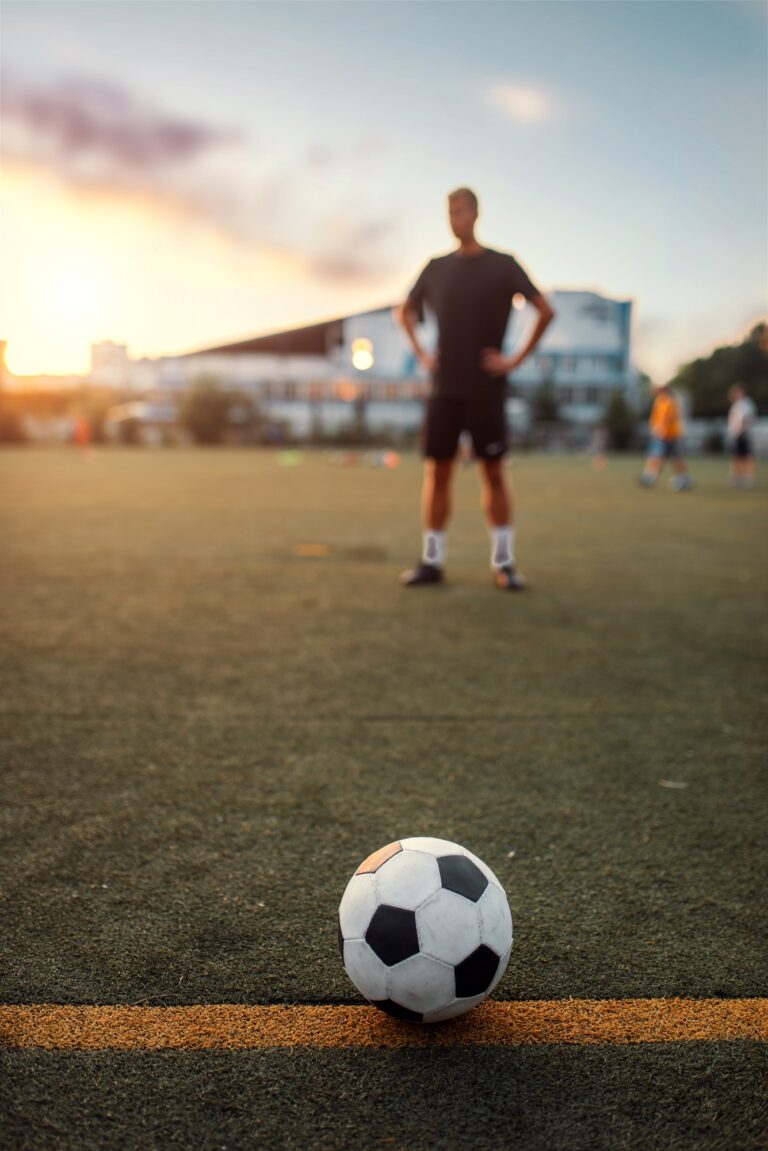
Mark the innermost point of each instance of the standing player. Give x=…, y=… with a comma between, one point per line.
x=666, y=428
x=470, y=292
x=741, y=415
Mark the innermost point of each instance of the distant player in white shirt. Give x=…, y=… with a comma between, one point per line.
x=741, y=416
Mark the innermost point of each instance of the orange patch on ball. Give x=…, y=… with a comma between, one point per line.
x=375, y=861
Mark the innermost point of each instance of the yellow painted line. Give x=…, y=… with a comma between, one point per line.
x=232, y=1027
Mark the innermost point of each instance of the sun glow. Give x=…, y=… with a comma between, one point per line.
x=80, y=267
x=59, y=293
x=67, y=306
x=74, y=293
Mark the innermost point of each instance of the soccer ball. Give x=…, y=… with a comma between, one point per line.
x=425, y=929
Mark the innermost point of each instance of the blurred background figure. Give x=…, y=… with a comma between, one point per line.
x=598, y=448
x=81, y=434
x=741, y=416
x=666, y=443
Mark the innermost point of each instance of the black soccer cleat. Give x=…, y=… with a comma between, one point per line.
x=509, y=579
x=422, y=575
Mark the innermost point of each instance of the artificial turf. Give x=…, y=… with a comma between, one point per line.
x=205, y=732
x=664, y=1097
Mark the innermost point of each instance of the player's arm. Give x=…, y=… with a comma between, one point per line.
x=407, y=317
x=497, y=364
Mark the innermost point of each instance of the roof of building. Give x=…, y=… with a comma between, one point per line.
x=313, y=340
x=585, y=320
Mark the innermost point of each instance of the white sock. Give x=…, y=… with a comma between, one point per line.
x=502, y=546
x=433, y=551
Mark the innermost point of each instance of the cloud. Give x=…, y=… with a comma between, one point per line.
x=97, y=136
x=522, y=103
x=354, y=251
x=96, y=133
x=314, y=206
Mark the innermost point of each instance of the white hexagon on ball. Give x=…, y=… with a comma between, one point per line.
x=495, y=919
x=434, y=847
x=421, y=983
x=407, y=879
x=448, y=926
x=365, y=969
x=357, y=906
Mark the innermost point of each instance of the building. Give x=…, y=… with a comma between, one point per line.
x=584, y=357
x=143, y=422
x=358, y=370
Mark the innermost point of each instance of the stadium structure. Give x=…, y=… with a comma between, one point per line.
x=322, y=377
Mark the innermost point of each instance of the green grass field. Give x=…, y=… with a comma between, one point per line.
x=204, y=733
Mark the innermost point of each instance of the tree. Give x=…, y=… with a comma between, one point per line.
x=205, y=411
x=707, y=380
x=11, y=427
x=545, y=410
x=619, y=423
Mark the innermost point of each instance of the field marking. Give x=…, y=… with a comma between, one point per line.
x=226, y=1027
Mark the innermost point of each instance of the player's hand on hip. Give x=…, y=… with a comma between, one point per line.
x=428, y=361
x=494, y=363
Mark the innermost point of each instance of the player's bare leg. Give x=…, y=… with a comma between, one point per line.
x=436, y=495
x=651, y=469
x=435, y=513
x=499, y=508
x=498, y=500
x=743, y=471
x=681, y=479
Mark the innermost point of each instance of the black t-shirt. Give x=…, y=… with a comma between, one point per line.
x=471, y=297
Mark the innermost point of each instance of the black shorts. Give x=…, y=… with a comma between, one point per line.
x=741, y=448
x=447, y=417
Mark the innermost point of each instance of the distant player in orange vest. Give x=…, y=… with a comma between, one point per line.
x=666, y=427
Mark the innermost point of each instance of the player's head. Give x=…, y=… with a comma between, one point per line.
x=462, y=213
x=736, y=391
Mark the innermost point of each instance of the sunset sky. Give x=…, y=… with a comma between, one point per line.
x=180, y=174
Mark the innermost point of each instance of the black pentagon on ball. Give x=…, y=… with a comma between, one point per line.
x=399, y=1012
x=461, y=875
x=475, y=974
x=392, y=934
